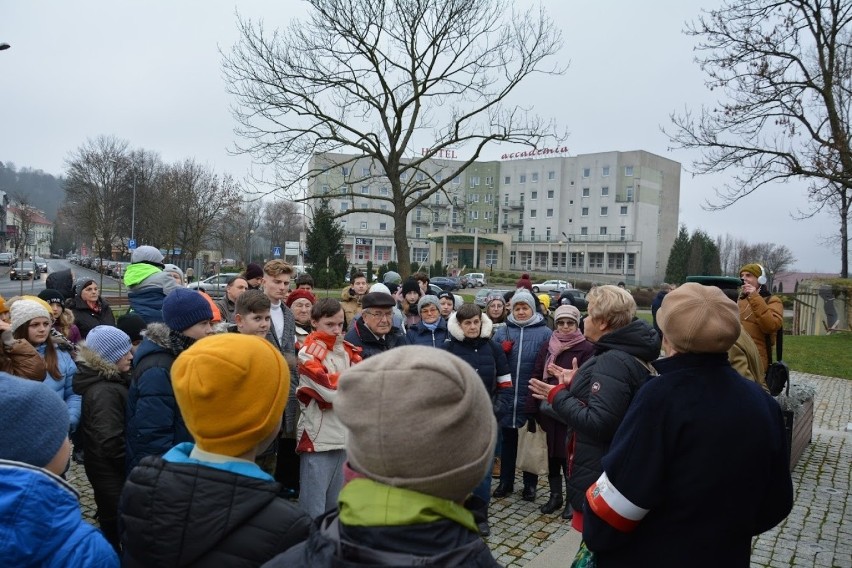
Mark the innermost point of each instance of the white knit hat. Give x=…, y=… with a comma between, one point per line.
x=23, y=310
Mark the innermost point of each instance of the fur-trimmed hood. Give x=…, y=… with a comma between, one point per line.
x=158, y=333
x=92, y=369
x=456, y=331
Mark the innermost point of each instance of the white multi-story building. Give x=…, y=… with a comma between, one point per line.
x=38, y=239
x=608, y=216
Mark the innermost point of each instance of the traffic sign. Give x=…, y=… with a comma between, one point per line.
x=276, y=251
x=131, y=244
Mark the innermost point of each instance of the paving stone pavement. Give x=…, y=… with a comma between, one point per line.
x=818, y=532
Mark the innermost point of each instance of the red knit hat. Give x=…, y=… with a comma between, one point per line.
x=300, y=293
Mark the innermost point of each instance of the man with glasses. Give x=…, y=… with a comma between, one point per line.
x=374, y=331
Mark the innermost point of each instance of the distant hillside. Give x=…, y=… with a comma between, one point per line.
x=42, y=190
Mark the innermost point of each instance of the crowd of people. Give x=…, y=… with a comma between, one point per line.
x=273, y=426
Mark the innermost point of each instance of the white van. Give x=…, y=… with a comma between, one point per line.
x=477, y=277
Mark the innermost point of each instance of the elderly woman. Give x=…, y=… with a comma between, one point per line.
x=593, y=399
x=432, y=328
x=300, y=303
x=89, y=308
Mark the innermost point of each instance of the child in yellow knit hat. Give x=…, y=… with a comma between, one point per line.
x=204, y=502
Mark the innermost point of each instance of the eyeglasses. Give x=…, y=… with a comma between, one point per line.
x=566, y=322
x=381, y=316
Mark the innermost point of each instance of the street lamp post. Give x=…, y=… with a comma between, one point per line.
x=133, y=210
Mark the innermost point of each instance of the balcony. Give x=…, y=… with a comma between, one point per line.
x=514, y=204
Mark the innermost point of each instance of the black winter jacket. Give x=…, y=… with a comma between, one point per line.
x=87, y=319
x=104, y=392
x=182, y=514
x=691, y=438
x=362, y=337
x=598, y=398
x=441, y=543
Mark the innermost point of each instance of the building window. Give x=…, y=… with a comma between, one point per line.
x=487, y=215
x=550, y=194
x=584, y=231
x=507, y=180
x=604, y=191
x=418, y=214
x=547, y=233
x=522, y=178
x=631, y=261
x=576, y=260
x=533, y=195
x=383, y=226
x=549, y=213
x=551, y=175
x=624, y=209
x=421, y=254
x=534, y=177
x=365, y=190
x=587, y=172
x=383, y=191
x=629, y=192
x=344, y=170
x=533, y=213
x=476, y=198
x=506, y=199
x=457, y=180
x=344, y=206
x=474, y=214
x=363, y=225
x=615, y=261
x=628, y=170
x=586, y=192
x=490, y=257
x=596, y=260
x=532, y=234
x=420, y=176
x=383, y=207
x=512, y=257
x=604, y=211
x=605, y=171
x=365, y=171
x=325, y=189
x=435, y=216
x=363, y=205
x=439, y=177
x=403, y=176
x=584, y=212
x=602, y=231
x=489, y=181
x=489, y=198
x=474, y=181
x=623, y=232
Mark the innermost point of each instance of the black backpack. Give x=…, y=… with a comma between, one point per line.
x=777, y=374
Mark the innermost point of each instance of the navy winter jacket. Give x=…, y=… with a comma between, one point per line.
x=419, y=334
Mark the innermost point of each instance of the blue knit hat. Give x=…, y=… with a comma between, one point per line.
x=109, y=342
x=183, y=308
x=33, y=421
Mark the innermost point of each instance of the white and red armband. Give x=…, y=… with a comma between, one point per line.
x=616, y=510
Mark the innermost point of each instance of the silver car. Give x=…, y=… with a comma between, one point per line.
x=215, y=285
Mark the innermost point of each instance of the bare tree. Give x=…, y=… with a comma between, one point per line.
x=25, y=215
x=94, y=183
x=372, y=79
x=282, y=222
x=784, y=71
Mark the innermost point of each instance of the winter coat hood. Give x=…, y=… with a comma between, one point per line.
x=456, y=331
x=92, y=369
x=636, y=338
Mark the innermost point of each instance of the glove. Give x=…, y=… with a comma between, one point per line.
x=351, y=292
x=507, y=345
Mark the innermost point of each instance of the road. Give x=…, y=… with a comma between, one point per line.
x=10, y=288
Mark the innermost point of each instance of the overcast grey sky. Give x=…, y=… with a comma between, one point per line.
x=150, y=72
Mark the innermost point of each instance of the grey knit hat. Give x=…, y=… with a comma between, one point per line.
x=183, y=308
x=174, y=269
x=146, y=253
x=82, y=283
x=109, y=342
x=389, y=397
x=33, y=421
x=522, y=296
x=428, y=299
x=392, y=277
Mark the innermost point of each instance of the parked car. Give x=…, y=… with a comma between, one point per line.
x=483, y=293
x=549, y=285
x=576, y=298
x=6, y=258
x=478, y=278
x=215, y=285
x=24, y=271
x=41, y=263
x=434, y=289
x=445, y=283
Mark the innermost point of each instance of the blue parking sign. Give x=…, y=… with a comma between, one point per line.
x=131, y=244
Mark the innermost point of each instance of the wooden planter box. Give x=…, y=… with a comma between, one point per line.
x=799, y=430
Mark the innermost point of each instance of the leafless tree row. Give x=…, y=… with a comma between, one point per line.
x=114, y=193
x=734, y=253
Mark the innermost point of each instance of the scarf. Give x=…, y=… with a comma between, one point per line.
x=560, y=342
x=179, y=342
x=94, y=306
x=368, y=503
x=536, y=317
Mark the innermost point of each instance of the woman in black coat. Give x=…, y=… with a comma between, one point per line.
x=90, y=309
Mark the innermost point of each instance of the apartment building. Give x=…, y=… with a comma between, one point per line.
x=607, y=216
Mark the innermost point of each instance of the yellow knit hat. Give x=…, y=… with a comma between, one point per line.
x=752, y=269
x=231, y=390
x=545, y=301
x=3, y=307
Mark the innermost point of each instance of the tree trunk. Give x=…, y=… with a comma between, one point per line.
x=400, y=239
x=844, y=234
